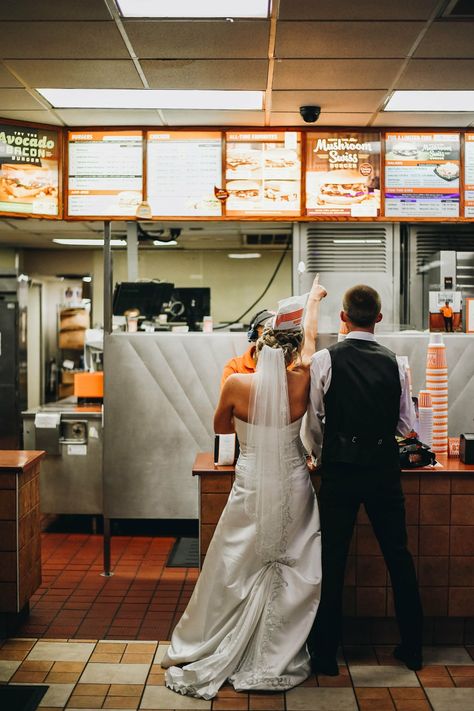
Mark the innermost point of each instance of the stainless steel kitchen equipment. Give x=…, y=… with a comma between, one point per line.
x=71, y=472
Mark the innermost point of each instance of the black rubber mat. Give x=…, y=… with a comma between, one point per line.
x=21, y=697
x=185, y=554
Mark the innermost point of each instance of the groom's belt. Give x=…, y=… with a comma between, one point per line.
x=366, y=440
x=353, y=448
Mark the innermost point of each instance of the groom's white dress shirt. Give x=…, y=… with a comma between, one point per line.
x=321, y=371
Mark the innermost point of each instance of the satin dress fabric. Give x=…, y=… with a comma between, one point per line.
x=248, y=620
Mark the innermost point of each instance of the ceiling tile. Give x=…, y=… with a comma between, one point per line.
x=326, y=119
x=424, y=120
x=345, y=39
x=330, y=101
x=207, y=40
x=31, y=116
x=361, y=10
x=441, y=74
x=16, y=99
x=206, y=73
x=6, y=79
x=77, y=73
x=53, y=10
x=109, y=117
x=448, y=39
x=335, y=73
x=214, y=118
x=61, y=40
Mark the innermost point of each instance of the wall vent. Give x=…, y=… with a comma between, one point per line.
x=342, y=248
x=265, y=240
x=432, y=240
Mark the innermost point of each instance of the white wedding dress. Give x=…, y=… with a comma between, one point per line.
x=258, y=592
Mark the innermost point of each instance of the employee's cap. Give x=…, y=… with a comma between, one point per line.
x=261, y=317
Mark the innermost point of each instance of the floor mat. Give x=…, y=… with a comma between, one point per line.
x=21, y=697
x=184, y=554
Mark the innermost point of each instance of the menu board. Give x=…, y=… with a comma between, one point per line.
x=263, y=173
x=183, y=169
x=422, y=174
x=469, y=175
x=343, y=174
x=29, y=170
x=105, y=173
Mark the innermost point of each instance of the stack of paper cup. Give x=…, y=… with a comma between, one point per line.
x=437, y=385
x=425, y=418
x=343, y=331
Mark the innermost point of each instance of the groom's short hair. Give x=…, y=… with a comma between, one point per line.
x=362, y=304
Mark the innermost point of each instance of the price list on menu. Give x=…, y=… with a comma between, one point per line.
x=105, y=173
x=183, y=170
x=422, y=175
x=469, y=175
x=263, y=173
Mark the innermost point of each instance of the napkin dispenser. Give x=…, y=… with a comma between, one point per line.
x=466, y=448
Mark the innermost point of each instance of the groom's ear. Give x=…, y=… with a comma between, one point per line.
x=379, y=318
x=343, y=316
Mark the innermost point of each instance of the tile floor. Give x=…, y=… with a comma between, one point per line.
x=108, y=674
x=87, y=639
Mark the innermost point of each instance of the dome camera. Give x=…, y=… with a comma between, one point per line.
x=310, y=114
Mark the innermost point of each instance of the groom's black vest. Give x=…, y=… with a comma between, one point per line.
x=362, y=405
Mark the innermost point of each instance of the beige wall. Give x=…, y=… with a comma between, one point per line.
x=7, y=258
x=234, y=283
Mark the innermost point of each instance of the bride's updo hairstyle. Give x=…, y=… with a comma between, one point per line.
x=290, y=342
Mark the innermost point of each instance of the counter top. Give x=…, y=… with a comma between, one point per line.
x=204, y=464
x=18, y=459
x=67, y=406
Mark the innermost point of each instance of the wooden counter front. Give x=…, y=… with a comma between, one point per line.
x=440, y=523
x=20, y=543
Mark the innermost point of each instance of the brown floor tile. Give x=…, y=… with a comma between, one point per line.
x=340, y=681
x=402, y=693
x=461, y=670
x=464, y=681
x=18, y=644
x=371, y=693
x=267, y=702
x=85, y=702
x=111, y=647
x=136, y=658
x=91, y=690
x=231, y=704
x=156, y=680
x=412, y=705
x=62, y=677
x=126, y=690
x=121, y=702
x=433, y=672
x=68, y=666
x=141, y=648
x=32, y=665
x=437, y=682
x=376, y=704
x=13, y=655
x=29, y=677
x=311, y=681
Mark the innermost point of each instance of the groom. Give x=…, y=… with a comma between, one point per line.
x=361, y=392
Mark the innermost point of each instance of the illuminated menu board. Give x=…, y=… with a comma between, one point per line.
x=343, y=174
x=29, y=170
x=469, y=175
x=263, y=173
x=183, y=169
x=105, y=173
x=422, y=174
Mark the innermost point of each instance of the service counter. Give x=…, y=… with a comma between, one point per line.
x=440, y=520
x=161, y=390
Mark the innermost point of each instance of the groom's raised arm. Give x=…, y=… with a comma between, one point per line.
x=313, y=425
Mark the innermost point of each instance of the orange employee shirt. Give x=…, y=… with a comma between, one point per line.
x=447, y=311
x=240, y=364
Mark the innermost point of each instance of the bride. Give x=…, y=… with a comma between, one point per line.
x=258, y=592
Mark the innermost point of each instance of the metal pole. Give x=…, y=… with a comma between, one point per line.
x=107, y=329
x=132, y=251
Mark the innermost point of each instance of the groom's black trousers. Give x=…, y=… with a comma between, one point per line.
x=344, y=488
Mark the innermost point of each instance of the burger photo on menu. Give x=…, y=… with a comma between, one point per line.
x=285, y=191
x=406, y=151
x=241, y=161
x=27, y=183
x=343, y=187
x=244, y=190
x=281, y=163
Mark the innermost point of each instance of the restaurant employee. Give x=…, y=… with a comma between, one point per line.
x=447, y=312
x=246, y=363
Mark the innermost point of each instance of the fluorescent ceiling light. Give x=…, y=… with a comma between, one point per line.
x=153, y=99
x=194, y=8
x=171, y=243
x=357, y=241
x=87, y=279
x=245, y=255
x=90, y=242
x=439, y=101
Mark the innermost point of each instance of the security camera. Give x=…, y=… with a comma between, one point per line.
x=310, y=114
